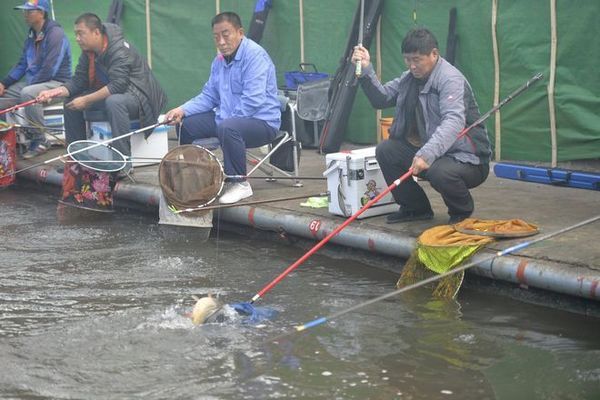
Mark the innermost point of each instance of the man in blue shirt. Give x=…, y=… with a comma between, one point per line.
x=44, y=64
x=238, y=104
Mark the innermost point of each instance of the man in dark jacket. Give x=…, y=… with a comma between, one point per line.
x=434, y=102
x=111, y=76
x=45, y=63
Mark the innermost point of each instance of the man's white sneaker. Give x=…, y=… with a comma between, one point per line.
x=236, y=192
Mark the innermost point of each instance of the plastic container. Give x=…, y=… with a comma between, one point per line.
x=8, y=154
x=295, y=78
x=354, y=178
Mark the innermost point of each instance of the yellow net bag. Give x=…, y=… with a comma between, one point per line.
x=439, y=249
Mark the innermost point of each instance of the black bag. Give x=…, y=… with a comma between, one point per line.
x=283, y=158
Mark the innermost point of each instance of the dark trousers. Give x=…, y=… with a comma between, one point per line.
x=235, y=135
x=120, y=109
x=449, y=177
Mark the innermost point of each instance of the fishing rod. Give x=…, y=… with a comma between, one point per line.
x=512, y=249
x=17, y=106
x=337, y=230
x=508, y=98
x=358, y=68
x=308, y=178
x=251, y=203
x=62, y=156
x=156, y=159
x=39, y=128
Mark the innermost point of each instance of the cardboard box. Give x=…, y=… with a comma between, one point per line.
x=354, y=178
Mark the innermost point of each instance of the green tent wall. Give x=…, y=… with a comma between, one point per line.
x=182, y=48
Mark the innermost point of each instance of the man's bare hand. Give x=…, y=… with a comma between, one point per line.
x=419, y=165
x=361, y=54
x=78, y=104
x=175, y=116
x=46, y=95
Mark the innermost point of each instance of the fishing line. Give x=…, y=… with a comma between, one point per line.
x=512, y=249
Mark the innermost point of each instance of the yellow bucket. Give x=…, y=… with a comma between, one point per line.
x=385, y=124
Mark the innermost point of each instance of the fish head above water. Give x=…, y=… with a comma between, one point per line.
x=204, y=308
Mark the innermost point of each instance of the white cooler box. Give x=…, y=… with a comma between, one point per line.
x=354, y=178
x=155, y=147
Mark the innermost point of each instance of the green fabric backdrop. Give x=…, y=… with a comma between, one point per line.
x=182, y=49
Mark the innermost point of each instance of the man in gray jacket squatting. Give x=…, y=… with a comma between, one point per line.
x=434, y=102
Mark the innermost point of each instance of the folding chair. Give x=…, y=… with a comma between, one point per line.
x=262, y=162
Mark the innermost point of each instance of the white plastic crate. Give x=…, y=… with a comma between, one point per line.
x=143, y=151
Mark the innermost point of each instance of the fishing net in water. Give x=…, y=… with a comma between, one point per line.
x=190, y=177
x=440, y=249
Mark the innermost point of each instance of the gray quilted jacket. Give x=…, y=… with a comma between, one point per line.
x=448, y=107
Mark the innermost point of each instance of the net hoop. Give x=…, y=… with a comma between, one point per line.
x=191, y=177
x=92, y=158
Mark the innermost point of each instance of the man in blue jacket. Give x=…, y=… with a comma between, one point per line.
x=434, y=102
x=44, y=64
x=238, y=104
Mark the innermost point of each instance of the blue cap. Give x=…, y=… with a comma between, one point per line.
x=35, y=5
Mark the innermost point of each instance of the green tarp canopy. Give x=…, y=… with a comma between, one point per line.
x=557, y=120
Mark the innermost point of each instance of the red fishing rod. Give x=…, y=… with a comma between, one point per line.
x=16, y=107
x=337, y=230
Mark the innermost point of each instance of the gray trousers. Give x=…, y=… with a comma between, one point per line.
x=120, y=109
x=449, y=177
x=20, y=92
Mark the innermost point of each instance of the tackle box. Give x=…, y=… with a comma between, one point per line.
x=354, y=178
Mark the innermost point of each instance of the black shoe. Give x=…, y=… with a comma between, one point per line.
x=407, y=216
x=458, y=218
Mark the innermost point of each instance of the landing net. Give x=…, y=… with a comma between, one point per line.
x=190, y=177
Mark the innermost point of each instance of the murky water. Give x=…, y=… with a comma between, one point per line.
x=92, y=307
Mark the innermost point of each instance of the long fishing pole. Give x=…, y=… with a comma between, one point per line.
x=39, y=128
x=331, y=235
x=512, y=249
x=508, y=98
x=156, y=159
x=251, y=203
x=17, y=106
x=358, y=67
x=85, y=148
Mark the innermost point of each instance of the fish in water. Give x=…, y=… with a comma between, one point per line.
x=205, y=308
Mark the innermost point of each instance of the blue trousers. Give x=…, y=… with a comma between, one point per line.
x=235, y=135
